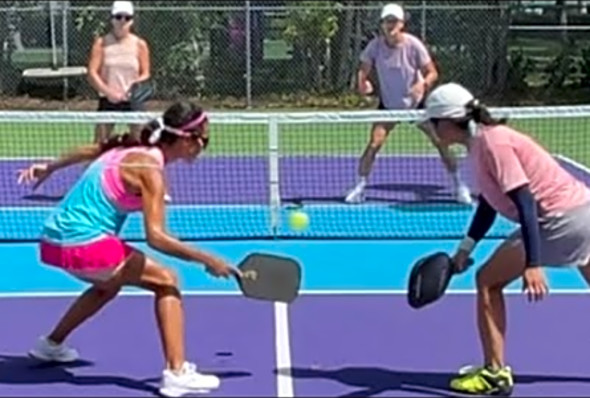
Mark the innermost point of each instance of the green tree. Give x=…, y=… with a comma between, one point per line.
x=309, y=29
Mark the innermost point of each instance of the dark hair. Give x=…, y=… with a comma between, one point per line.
x=480, y=114
x=176, y=116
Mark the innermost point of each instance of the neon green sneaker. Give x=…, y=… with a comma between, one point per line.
x=483, y=381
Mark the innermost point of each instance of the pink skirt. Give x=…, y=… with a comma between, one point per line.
x=101, y=257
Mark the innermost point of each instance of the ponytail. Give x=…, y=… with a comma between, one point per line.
x=480, y=114
x=128, y=140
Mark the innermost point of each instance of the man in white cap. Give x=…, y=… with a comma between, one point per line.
x=405, y=72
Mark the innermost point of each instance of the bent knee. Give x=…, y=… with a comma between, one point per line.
x=485, y=280
x=107, y=292
x=167, y=278
x=379, y=134
x=481, y=281
x=378, y=141
x=162, y=281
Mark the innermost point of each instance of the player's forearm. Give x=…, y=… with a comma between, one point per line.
x=430, y=79
x=482, y=221
x=527, y=214
x=96, y=82
x=171, y=246
x=363, y=77
x=78, y=155
x=143, y=76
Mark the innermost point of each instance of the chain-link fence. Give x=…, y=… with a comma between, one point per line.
x=248, y=53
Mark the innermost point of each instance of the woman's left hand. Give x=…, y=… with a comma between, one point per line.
x=534, y=283
x=36, y=173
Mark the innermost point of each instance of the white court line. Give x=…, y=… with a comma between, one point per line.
x=574, y=163
x=283, y=351
x=319, y=292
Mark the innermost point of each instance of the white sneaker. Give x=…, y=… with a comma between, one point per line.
x=187, y=381
x=48, y=351
x=464, y=195
x=356, y=195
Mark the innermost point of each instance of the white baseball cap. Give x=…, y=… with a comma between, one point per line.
x=448, y=101
x=122, y=7
x=393, y=10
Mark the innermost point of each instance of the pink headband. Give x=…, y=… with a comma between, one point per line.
x=183, y=131
x=194, y=123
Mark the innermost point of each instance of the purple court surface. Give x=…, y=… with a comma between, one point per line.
x=347, y=345
x=334, y=345
x=244, y=180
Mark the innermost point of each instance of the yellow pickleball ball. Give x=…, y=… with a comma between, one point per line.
x=298, y=220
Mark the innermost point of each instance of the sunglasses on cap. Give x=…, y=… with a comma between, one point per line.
x=123, y=17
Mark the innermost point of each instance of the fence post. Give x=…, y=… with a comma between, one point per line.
x=65, y=7
x=248, y=55
x=52, y=6
x=423, y=24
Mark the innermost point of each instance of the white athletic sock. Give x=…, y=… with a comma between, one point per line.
x=456, y=179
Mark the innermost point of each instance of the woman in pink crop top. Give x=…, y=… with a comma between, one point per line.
x=107, y=262
x=117, y=60
x=520, y=180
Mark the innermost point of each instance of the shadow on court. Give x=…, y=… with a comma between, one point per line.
x=423, y=195
x=28, y=371
x=38, y=197
x=373, y=381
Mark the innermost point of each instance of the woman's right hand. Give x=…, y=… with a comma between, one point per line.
x=461, y=261
x=220, y=268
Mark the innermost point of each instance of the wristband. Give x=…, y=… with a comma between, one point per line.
x=467, y=244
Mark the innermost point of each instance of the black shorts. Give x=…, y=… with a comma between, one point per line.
x=106, y=106
x=382, y=107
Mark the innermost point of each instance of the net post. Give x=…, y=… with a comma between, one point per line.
x=273, y=170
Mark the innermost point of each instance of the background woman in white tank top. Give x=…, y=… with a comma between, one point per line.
x=117, y=60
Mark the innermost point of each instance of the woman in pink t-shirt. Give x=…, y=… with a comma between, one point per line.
x=520, y=180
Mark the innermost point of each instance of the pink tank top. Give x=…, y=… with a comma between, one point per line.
x=112, y=181
x=120, y=64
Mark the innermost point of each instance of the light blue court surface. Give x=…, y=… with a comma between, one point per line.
x=351, y=332
x=360, y=267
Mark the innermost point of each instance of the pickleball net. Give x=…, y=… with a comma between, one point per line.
x=261, y=166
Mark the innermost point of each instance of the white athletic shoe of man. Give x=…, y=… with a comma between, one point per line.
x=357, y=194
x=463, y=194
